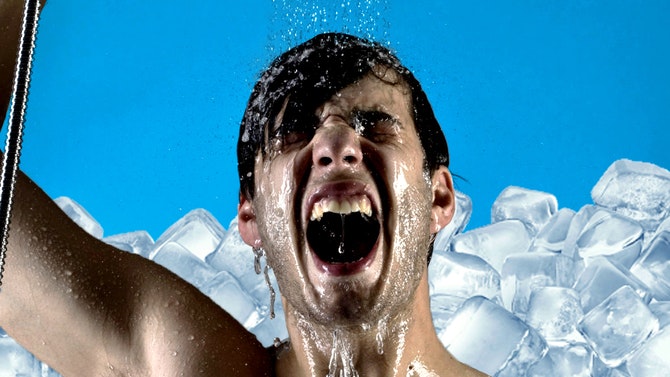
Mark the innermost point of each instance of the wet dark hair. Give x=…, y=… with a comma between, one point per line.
x=310, y=74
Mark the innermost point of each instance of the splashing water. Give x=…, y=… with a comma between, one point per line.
x=380, y=343
x=295, y=21
x=258, y=253
x=266, y=271
x=341, y=361
x=381, y=331
x=340, y=249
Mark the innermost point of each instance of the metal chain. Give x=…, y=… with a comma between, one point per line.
x=16, y=122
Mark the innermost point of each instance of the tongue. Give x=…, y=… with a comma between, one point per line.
x=338, y=238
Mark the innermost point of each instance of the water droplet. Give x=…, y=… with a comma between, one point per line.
x=258, y=253
x=341, y=362
x=380, y=343
x=272, y=291
x=340, y=249
x=381, y=331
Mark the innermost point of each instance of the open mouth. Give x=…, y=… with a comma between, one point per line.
x=342, y=231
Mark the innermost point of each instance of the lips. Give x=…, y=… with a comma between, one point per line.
x=343, y=228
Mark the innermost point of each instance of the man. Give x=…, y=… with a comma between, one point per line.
x=344, y=182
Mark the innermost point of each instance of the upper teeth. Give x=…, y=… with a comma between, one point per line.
x=343, y=206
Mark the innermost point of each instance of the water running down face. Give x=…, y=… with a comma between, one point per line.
x=343, y=205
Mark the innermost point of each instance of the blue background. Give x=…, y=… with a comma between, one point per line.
x=135, y=105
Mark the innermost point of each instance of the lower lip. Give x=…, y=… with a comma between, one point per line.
x=344, y=269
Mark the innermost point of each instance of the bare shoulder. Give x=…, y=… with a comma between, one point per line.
x=182, y=332
x=89, y=309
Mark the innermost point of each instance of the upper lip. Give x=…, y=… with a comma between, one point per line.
x=339, y=189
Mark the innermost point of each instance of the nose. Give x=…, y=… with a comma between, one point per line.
x=336, y=146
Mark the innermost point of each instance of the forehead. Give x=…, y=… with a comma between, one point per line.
x=381, y=90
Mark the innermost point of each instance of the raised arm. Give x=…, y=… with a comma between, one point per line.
x=88, y=309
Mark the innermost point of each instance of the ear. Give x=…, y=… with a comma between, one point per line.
x=246, y=221
x=444, y=199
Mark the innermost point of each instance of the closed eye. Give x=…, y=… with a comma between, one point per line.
x=297, y=128
x=374, y=125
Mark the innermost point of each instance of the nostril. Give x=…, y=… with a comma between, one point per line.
x=349, y=159
x=325, y=161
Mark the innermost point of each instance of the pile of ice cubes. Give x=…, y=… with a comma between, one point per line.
x=538, y=292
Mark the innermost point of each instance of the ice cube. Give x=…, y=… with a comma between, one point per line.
x=664, y=226
x=270, y=329
x=653, y=267
x=457, y=224
x=638, y=190
x=525, y=272
x=552, y=236
x=463, y=275
x=575, y=228
x=198, y=231
x=139, y=242
x=80, y=216
x=601, y=278
x=227, y=293
x=494, y=242
x=609, y=234
x=16, y=360
x=573, y=360
x=48, y=372
x=182, y=262
x=661, y=310
x=600, y=369
x=555, y=313
x=652, y=360
x=236, y=257
x=442, y=307
x=533, y=208
x=618, y=326
x=455, y=277
x=487, y=337
x=543, y=368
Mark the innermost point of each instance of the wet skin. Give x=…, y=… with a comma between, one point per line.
x=382, y=299
x=339, y=162
x=122, y=315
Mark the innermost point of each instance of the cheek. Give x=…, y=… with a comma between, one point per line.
x=276, y=187
x=413, y=227
x=405, y=172
x=413, y=199
x=274, y=209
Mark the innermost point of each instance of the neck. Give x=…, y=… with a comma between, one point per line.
x=400, y=344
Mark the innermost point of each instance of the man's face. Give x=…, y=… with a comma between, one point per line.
x=343, y=207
